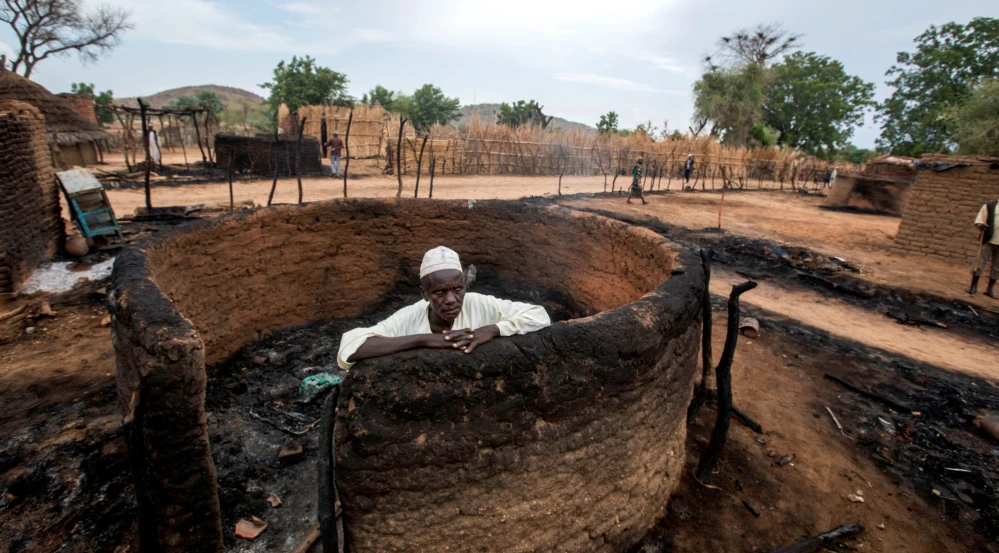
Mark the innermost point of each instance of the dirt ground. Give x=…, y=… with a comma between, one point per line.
x=64, y=469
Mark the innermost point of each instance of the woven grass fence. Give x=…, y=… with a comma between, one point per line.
x=368, y=127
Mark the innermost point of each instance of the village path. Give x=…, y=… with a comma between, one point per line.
x=938, y=347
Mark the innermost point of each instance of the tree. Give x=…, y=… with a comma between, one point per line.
x=731, y=100
x=382, y=96
x=855, y=155
x=203, y=99
x=814, y=104
x=607, y=123
x=427, y=106
x=647, y=128
x=976, y=123
x=46, y=28
x=102, y=101
x=301, y=83
x=763, y=135
x=522, y=113
x=949, y=60
x=757, y=46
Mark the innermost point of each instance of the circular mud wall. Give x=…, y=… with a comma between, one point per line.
x=568, y=439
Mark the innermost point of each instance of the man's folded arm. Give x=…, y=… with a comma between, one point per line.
x=515, y=317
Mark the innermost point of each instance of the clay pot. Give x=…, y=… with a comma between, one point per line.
x=77, y=246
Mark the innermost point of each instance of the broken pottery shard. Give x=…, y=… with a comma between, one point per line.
x=274, y=500
x=749, y=327
x=259, y=360
x=290, y=453
x=250, y=529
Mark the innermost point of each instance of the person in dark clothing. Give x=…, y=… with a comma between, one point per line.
x=336, y=146
x=636, y=182
x=688, y=168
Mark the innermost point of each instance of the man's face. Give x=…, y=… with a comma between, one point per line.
x=445, y=290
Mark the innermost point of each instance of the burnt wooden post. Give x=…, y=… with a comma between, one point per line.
x=330, y=522
x=298, y=157
x=277, y=164
x=346, y=152
x=133, y=427
x=197, y=134
x=145, y=142
x=707, y=361
x=229, y=171
x=723, y=374
x=433, y=169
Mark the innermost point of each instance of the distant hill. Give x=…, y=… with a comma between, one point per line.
x=487, y=113
x=229, y=95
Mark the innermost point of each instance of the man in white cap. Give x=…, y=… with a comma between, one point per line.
x=446, y=318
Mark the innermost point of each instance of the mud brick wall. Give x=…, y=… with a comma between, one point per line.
x=939, y=218
x=82, y=105
x=571, y=438
x=258, y=154
x=31, y=226
x=891, y=171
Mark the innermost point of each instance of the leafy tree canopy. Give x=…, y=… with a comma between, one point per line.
x=384, y=97
x=731, y=99
x=855, y=155
x=758, y=46
x=204, y=99
x=522, y=113
x=102, y=100
x=949, y=60
x=813, y=104
x=301, y=82
x=975, y=124
x=762, y=135
x=427, y=106
x=608, y=123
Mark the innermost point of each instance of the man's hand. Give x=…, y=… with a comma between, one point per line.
x=481, y=336
x=450, y=339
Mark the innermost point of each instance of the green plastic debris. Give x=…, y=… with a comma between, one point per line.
x=315, y=385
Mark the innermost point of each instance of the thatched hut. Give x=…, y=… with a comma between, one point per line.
x=78, y=141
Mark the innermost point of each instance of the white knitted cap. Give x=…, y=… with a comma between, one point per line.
x=439, y=259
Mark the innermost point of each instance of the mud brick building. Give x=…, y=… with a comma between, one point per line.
x=31, y=225
x=942, y=206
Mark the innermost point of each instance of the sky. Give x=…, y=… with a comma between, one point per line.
x=577, y=58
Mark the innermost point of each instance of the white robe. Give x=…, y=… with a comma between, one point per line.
x=477, y=311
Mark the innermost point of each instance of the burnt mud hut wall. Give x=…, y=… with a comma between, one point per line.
x=30, y=220
x=259, y=154
x=571, y=438
x=940, y=215
x=873, y=194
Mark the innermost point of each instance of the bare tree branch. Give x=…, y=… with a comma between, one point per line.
x=46, y=28
x=758, y=45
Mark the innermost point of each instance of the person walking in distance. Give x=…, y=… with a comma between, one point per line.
x=988, y=249
x=688, y=168
x=636, y=182
x=336, y=146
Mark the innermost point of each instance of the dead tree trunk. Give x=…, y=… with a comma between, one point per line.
x=346, y=151
x=723, y=374
x=145, y=142
x=125, y=135
x=298, y=157
x=419, y=166
x=398, y=156
x=183, y=150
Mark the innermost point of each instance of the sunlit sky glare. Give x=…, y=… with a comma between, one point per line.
x=578, y=58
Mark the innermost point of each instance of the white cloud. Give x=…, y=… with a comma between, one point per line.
x=203, y=23
x=304, y=8
x=612, y=82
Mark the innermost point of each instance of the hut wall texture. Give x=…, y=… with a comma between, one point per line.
x=81, y=104
x=31, y=225
x=940, y=215
x=258, y=154
x=864, y=193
